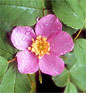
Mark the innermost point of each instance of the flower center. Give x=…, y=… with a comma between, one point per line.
x=40, y=46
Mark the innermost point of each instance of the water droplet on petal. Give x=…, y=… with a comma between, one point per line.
x=16, y=55
x=57, y=20
x=55, y=70
x=41, y=26
x=23, y=38
x=28, y=29
x=38, y=19
x=48, y=15
x=16, y=43
x=46, y=24
x=27, y=33
x=51, y=22
x=53, y=31
x=52, y=44
x=58, y=27
x=23, y=61
x=25, y=52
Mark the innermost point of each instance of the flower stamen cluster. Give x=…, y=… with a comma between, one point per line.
x=40, y=46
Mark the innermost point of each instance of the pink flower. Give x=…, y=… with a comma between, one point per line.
x=41, y=49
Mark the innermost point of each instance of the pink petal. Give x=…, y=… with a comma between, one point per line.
x=48, y=25
x=22, y=37
x=61, y=43
x=51, y=64
x=27, y=62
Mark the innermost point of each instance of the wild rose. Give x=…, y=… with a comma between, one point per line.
x=41, y=49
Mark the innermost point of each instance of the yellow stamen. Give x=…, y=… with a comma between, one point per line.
x=40, y=46
x=32, y=39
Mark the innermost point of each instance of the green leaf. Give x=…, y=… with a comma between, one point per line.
x=78, y=74
x=70, y=59
x=80, y=51
x=19, y=13
x=22, y=84
x=15, y=82
x=8, y=82
x=70, y=88
x=61, y=80
x=3, y=67
x=82, y=4
x=70, y=30
x=70, y=12
x=6, y=50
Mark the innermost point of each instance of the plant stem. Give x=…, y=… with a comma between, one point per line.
x=43, y=11
x=33, y=82
x=78, y=34
x=40, y=77
x=12, y=60
x=80, y=30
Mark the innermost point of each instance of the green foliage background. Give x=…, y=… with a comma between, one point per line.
x=72, y=14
